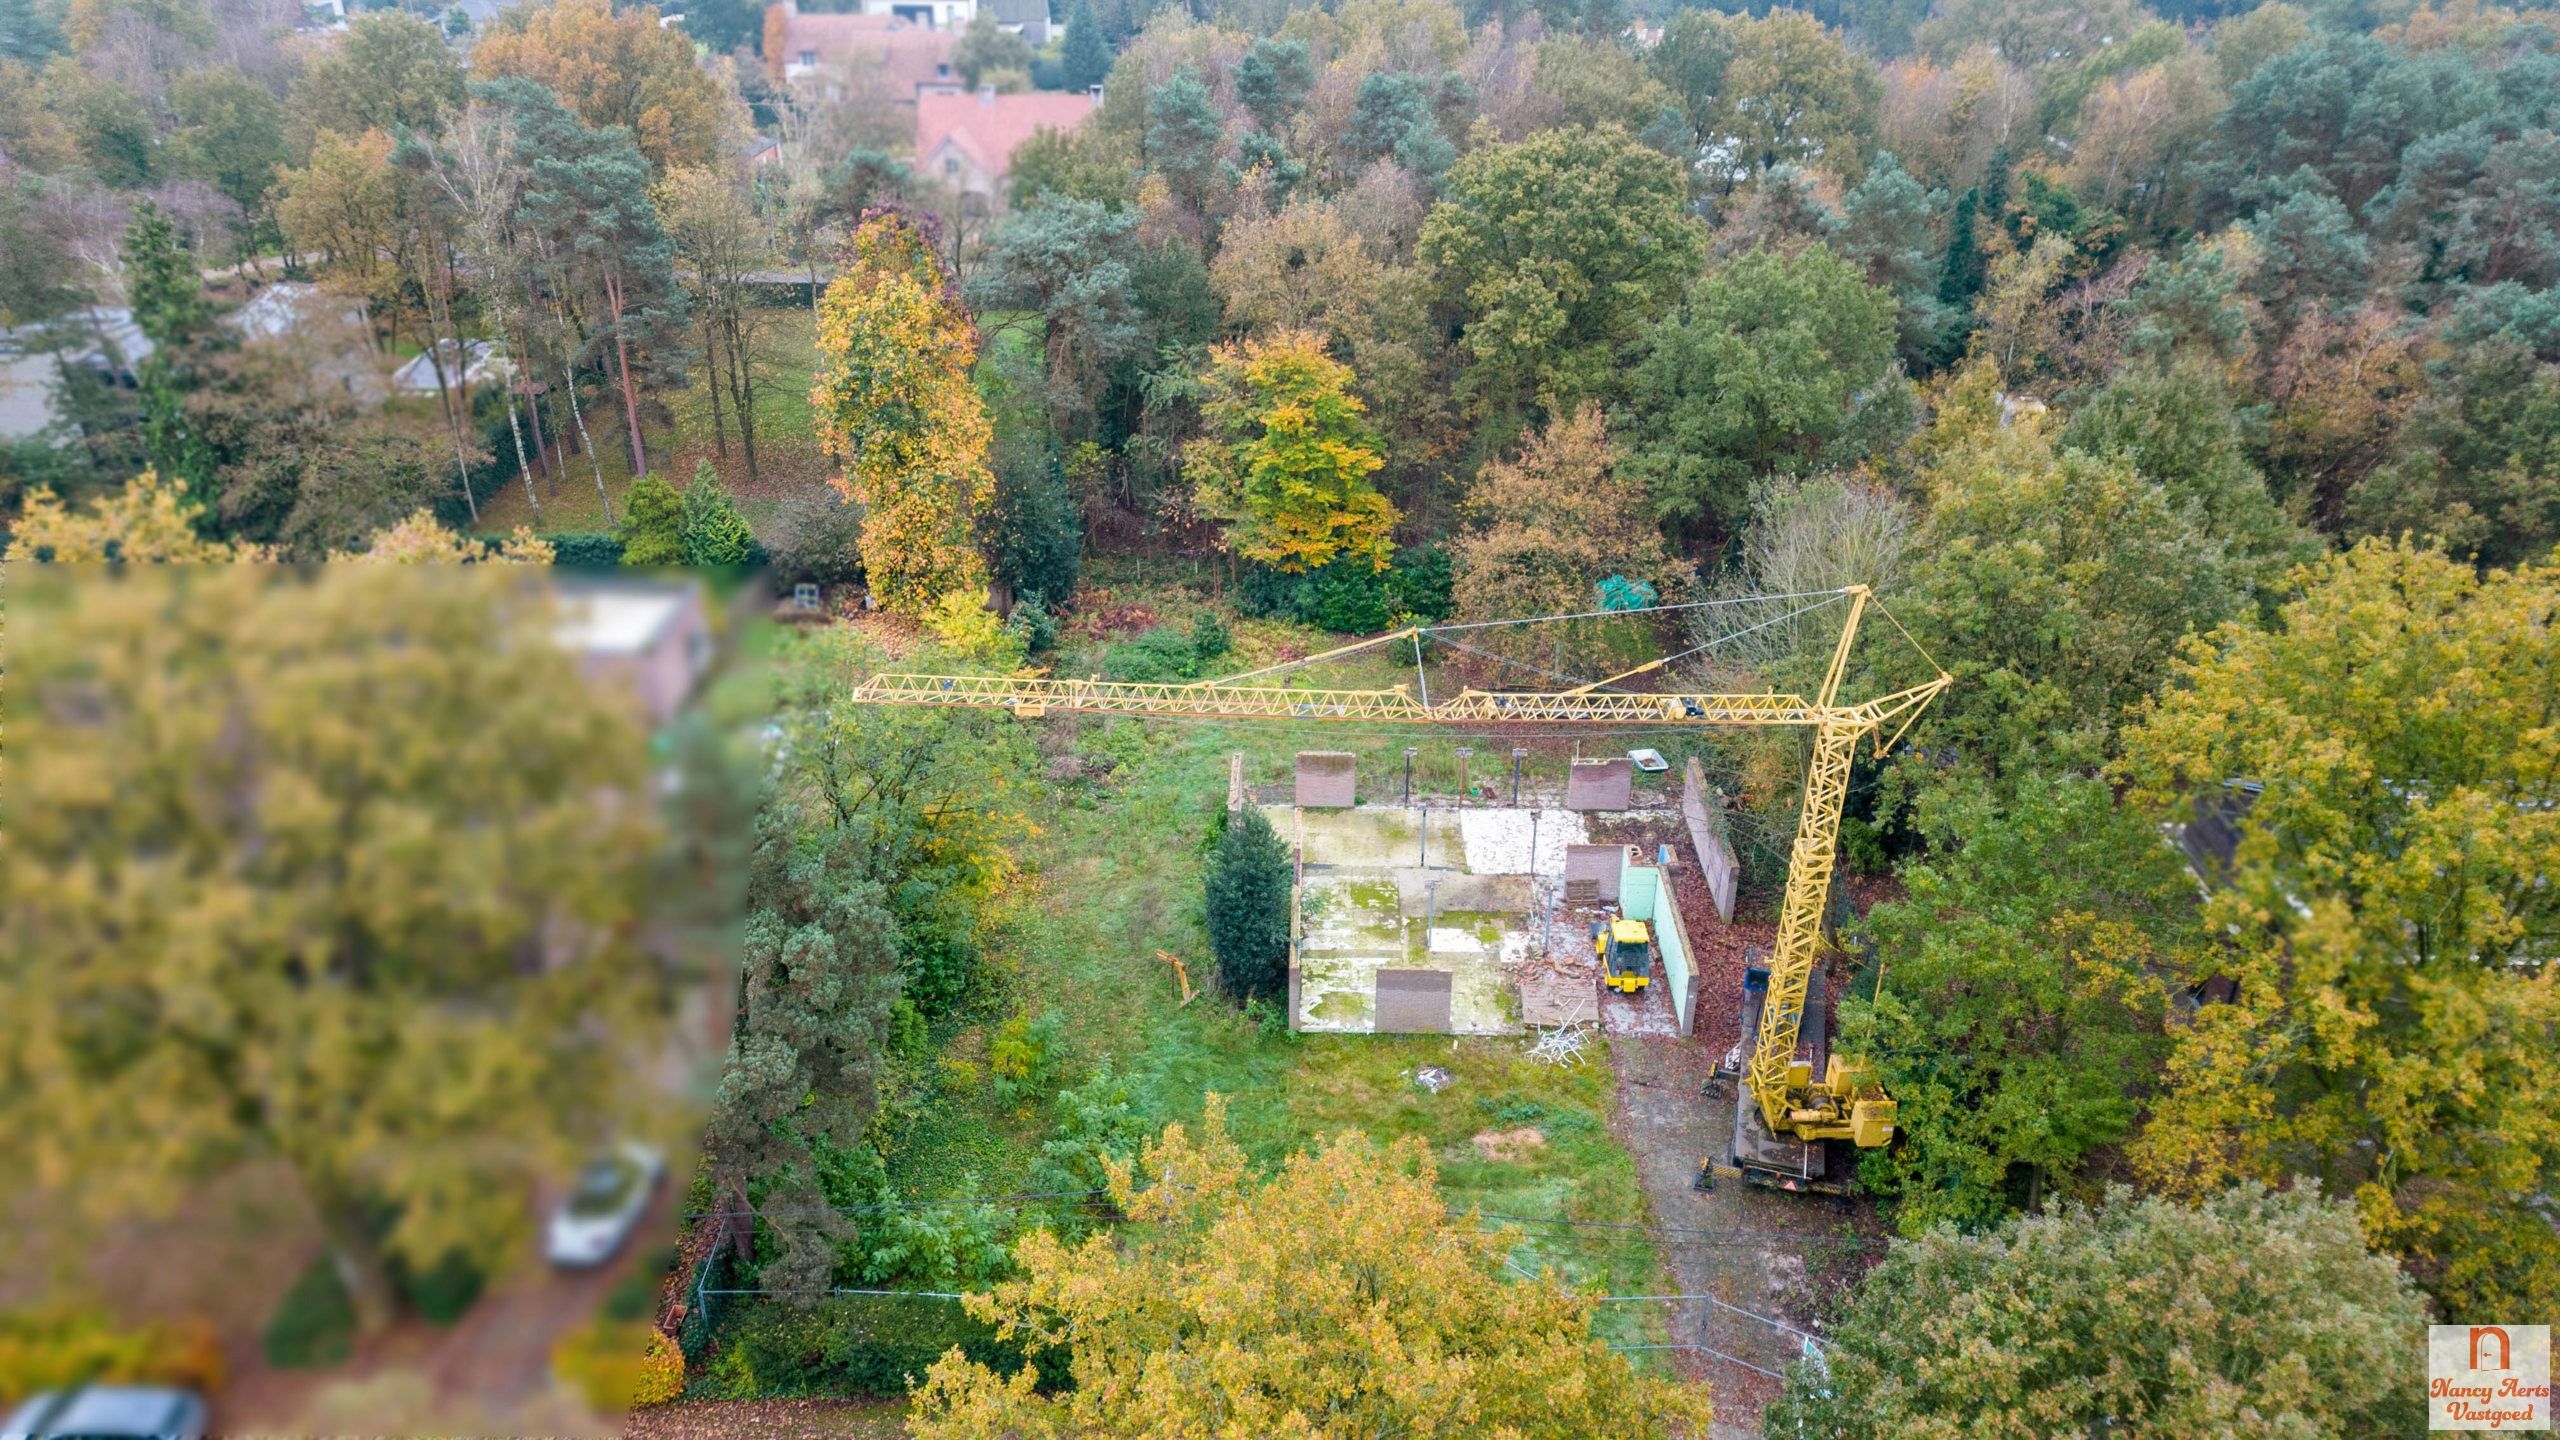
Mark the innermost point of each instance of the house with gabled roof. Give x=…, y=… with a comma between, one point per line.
x=967, y=142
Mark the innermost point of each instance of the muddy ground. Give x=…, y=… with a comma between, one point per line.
x=1785, y=1258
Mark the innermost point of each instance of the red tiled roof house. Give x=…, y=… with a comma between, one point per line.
x=967, y=141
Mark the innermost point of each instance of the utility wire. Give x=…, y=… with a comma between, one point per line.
x=1575, y=680
x=1636, y=610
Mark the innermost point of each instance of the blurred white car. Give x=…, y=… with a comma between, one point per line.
x=612, y=1191
x=109, y=1412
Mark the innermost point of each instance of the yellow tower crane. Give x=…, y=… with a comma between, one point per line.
x=1791, y=1103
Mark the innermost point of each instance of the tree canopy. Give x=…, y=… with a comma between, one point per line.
x=895, y=405
x=267, y=918
x=1338, y=1295
x=2391, y=932
x=1555, y=252
x=2253, y=1308
x=1287, y=463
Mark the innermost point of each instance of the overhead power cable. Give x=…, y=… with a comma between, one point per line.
x=1639, y=610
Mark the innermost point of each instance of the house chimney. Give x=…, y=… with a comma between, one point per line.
x=986, y=94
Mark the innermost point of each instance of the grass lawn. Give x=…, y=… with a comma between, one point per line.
x=787, y=454
x=1114, y=876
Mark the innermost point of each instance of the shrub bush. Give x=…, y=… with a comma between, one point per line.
x=1162, y=653
x=315, y=1323
x=1098, y=1119
x=713, y=535
x=1349, y=597
x=441, y=1292
x=1209, y=641
x=1032, y=625
x=661, y=1371
x=1024, y=1056
x=1248, y=908
x=693, y=1333
x=54, y=1349
x=652, y=524
x=586, y=550
x=852, y=1345
x=939, y=957
x=815, y=538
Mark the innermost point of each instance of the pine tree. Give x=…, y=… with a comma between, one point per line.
x=715, y=536
x=1182, y=137
x=1888, y=224
x=1087, y=60
x=820, y=963
x=1248, y=904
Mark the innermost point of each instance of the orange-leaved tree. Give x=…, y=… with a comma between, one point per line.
x=1338, y=1297
x=1287, y=461
x=1553, y=523
x=896, y=405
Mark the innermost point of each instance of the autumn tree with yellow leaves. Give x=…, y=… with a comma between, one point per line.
x=2395, y=928
x=1288, y=457
x=332, y=872
x=896, y=405
x=1338, y=1297
x=150, y=520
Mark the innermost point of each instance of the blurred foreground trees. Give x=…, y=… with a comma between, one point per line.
x=330, y=871
x=1339, y=1296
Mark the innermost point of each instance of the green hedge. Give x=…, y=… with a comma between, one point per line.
x=586, y=550
x=851, y=1345
x=711, y=1272
x=1351, y=598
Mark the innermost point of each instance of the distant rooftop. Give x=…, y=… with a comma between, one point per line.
x=617, y=619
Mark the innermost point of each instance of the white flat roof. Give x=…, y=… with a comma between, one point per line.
x=616, y=621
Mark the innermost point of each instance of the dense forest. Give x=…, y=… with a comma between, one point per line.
x=2187, y=380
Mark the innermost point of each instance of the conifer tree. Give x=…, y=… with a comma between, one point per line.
x=1248, y=907
x=715, y=535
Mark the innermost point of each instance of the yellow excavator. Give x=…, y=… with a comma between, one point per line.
x=1625, y=951
x=1786, y=1115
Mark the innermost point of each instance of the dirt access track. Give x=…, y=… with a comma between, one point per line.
x=1773, y=1263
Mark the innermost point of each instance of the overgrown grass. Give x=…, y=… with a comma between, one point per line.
x=1115, y=877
